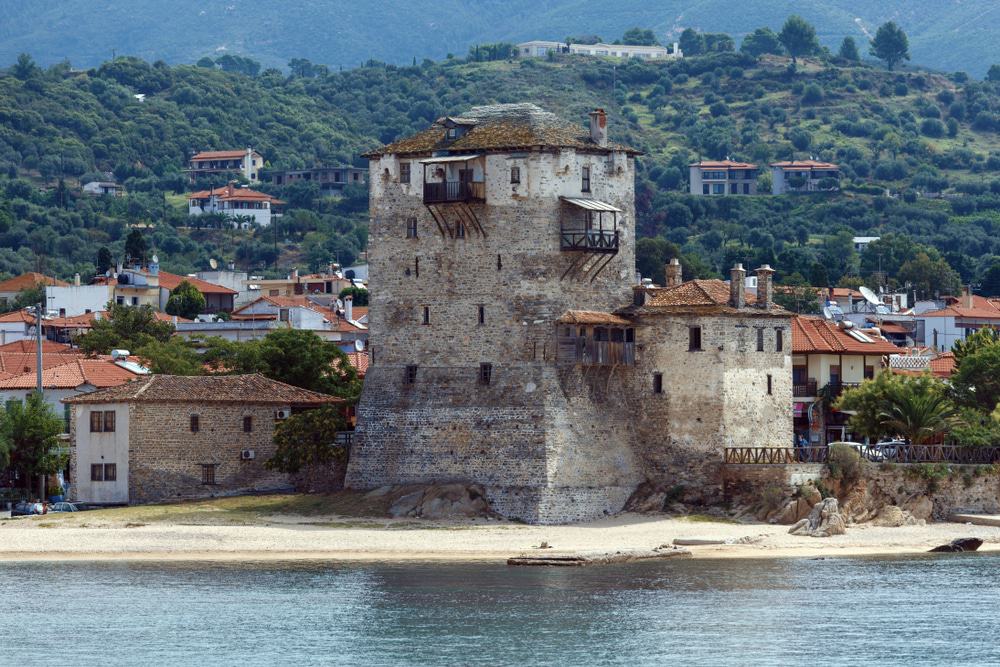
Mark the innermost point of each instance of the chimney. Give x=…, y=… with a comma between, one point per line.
x=672, y=273
x=248, y=164
x=348, y=308
x=765, y=287
x=967, y=296
x=295, y=275
x=737, y=286
x=76, y=279
x=599, y=127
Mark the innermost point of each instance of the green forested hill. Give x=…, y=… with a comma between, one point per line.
x=909, y=133
x=944, y=34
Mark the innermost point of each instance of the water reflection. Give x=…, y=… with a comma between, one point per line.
x=900, y=611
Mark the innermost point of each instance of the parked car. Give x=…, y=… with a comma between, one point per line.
x=63, y=507
x=25, y=508
x=890, y=448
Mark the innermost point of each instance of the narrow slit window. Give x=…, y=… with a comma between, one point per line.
x=760, y=340
x=411, y=228
x=248, y=424
x=195, y=423
x=694, y=339
x=459, y=230
x=499, y=263
x=515, y=175
x=411, y=375
x=779, y=340
x=481, y=315
x=585, y=179
x=485, y=373
x=657, y=383
x=404, y=172
x=416, y=267
x=425, y=316
x=770, y=385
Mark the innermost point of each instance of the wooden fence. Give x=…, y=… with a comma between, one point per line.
x=959, y=455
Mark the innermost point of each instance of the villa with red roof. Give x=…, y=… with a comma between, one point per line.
x=246, y=162
x=235, y=202
x=803, y=176
x=960, y=317
x=723, y=177
x=10, y=288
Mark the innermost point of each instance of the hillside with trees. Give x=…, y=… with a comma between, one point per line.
x=919, y=154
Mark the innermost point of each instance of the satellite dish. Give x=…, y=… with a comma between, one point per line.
x=826, y=313
x=359, y=345
x=870, y=296
x=836, y=314
x=340, y=304
x=155, y=259
x=213, y=263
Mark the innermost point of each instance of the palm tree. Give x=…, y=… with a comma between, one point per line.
x=919, y=417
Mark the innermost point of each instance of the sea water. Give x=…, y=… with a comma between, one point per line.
x=938, y=610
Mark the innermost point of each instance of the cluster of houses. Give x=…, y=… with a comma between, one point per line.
x=730, y=177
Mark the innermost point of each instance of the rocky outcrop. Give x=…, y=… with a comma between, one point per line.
x=438, y=501
x=824, y=520
x=959, y=545
x=797, y=508
x=891, y=516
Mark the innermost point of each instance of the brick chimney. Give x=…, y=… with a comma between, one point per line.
x=967, y=296
x=737, y=286
x=672, y=273
x=765, y=286
x=599, y=127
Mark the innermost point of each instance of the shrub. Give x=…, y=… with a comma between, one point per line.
x=812, y=94
x=900, y=90
x=845, y=464
x=932, y=127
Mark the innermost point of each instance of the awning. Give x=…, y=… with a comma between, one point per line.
x=450, y=158
x=591, y=204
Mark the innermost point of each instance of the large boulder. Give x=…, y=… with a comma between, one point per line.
x=891, y=516
x=824, y=520
x=920, y=507
x=439, y=501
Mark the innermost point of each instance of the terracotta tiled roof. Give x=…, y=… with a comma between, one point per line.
x=943, y=365
x=27, y=280
x=982, y=309
x=844, y=292
x=220, y=155
x=100, y=373
x=500, y=127
x=893, y=328
x=28, y=346
x=232, y=193
x=17, y=363
x=171, y=280
x=592, y=317
x=816, y=335
x=723, y=164
x=18, y=316
x=801, y=165
x=359, y=360
x=240, y=389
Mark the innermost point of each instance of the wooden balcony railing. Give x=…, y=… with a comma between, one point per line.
x=454, y=191
x=591, y=352
x=956, y=454
x=806, y=389
x=589, y=241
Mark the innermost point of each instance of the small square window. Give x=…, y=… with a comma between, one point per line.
x=135, y=301
x=248, y=424
x=694, y=339
x=404, y=172
x=411, y=375
x=657, y=383
x=96, y=472
x=208, y=473
x=485, y=373
x=515, y=174
x=110, y=472
x=195, y=423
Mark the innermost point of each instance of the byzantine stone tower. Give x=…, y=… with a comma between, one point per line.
x=486, y=229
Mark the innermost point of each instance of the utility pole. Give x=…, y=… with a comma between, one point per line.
x=38, y=361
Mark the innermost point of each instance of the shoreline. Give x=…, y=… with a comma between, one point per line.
x=86, y=537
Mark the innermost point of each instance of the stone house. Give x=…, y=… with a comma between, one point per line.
x=165, y=437
x=510, y=346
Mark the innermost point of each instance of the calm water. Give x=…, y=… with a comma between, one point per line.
x=916, y=611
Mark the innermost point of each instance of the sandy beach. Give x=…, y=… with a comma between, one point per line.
x=271, y=530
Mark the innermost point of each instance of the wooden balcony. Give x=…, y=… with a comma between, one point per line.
x=454, y=191
x=590, y=352
x=601, y=241
x=807, y=389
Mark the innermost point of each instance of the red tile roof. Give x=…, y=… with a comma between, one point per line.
x=239, y=389
x=99, y=373
x=359, y=360
x=18, y=316
x=982, y=309
x=220, y=155
x=816, y=335
x=593, y=318
x=28, y=346
x=723, y=164
x=27, y=280
x=802, y=165
x=232, y=193
x=170, y=281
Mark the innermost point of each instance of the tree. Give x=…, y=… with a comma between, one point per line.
x=974, y=342
x=30, y=430
x=798, y=37
x=639, y=37
x=103, y=260
x=993, y=74
x=761, y=41
x=990, y=282
x=185, y=301
x=302, y=68
x=977, y=376
x=890, y=44
x=691, y=43
x=29, y=296
x=929, y=274
x=173, y=357
x=917, y=408
x=849, y=50
x=25, y=68
x=307, y=442
x=359, y=295
x=125, y=327
x=135, y=247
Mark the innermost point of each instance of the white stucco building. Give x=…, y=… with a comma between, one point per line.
x=541, y=48
x=235, y=202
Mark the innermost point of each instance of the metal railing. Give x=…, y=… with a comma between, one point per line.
x=454, y=191
x=806, y=389
x=589, y=241
x=955, y=454
x=344, y=438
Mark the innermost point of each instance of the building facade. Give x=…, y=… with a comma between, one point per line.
x=542, y=48
x=238, y=203
x=164, y=437
x=723, y=177
x=502, y=243
x=247, y=163
x=329, y=180
x=804, y=176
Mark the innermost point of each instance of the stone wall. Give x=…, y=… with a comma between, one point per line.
x=166, y=458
